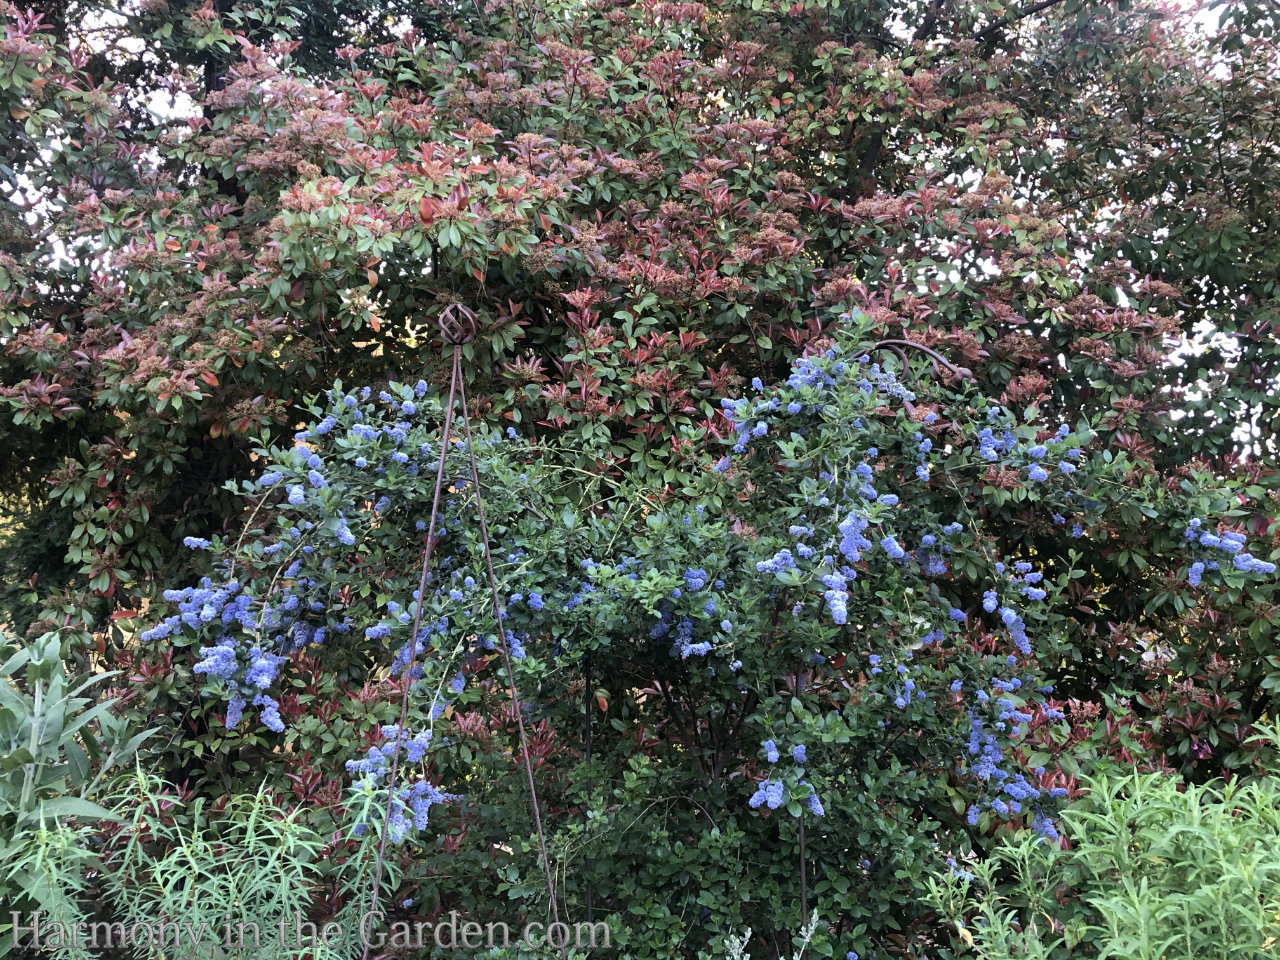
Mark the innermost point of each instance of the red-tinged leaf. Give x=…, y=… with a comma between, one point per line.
x=373, y=277
x=209, y=377
x=427, y=210
x=478, y=274
x=297, y=291
x=546, y=222
x=103, y=481
x=602, y=703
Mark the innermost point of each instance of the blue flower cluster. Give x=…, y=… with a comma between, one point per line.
x=772, y=791
x=804, y=391
x=1212, y=548
x=683, y=645
x=235, y=664
x=958, y=871
x=867, y=530
x=859, y=507
x=413, y=800
x=769, y=792
x=1006, y=794
x=691, y=616
x=1007, y=448
x=1023, y=579
x=851, y=543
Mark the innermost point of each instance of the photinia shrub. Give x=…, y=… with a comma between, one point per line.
x=645, y=205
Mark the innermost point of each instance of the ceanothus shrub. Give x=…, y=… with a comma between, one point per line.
x=818, y=633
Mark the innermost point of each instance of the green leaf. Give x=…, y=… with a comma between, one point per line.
x=69, y=807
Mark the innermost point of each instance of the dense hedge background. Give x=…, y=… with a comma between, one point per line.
x=876, y=412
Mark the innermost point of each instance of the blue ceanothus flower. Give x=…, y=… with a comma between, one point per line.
x=862, y=520
x=1212, y=549
x=414, y=795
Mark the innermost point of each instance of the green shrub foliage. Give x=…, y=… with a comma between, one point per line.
x=818, y=632
x=1157, y=868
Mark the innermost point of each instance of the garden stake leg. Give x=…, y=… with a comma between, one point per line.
x=586, y=721
x=506, y=659
x=804, y=882
x=457, y=326
x=406, y=679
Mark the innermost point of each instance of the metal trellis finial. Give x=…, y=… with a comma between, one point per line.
x=457, y=324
